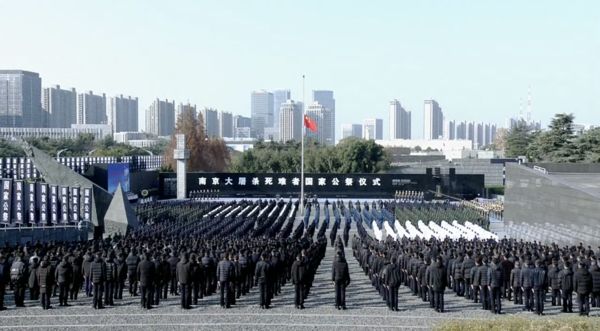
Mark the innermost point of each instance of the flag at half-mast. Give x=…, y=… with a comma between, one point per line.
x=310, y=124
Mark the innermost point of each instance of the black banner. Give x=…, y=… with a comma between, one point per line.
x=64, y=205
x=87, y=204
x=6, y=201
x=18, y=202
x=31, y=195
x=54, y=214
x=43, y=203
x=75, y=200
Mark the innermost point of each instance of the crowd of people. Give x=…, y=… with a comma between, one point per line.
x=482, y=271
x=186, y=249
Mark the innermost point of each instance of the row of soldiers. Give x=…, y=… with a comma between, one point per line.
x=152, y=265
x=485, y=272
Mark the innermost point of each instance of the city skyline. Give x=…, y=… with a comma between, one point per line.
x=471, y=61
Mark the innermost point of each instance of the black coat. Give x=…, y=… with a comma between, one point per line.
x=582, y=282
x=298, y=272
x=184, y=272
x=438, y=276
x=553, y=278
x=540, y=280
x=146, y=273
x=595, y=271
x=225, y=271
x=98, y=271
x=566, y=280
x=132, y=262
x=496, y=276
x=64, y=273
x=262, y=271
x=45, y=277
x=339, y=272
x=392, y=275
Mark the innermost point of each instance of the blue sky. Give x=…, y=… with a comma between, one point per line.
x=476, y=58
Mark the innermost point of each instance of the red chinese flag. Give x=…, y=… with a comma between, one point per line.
x=310, y=124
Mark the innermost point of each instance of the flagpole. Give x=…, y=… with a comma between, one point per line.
x=302, y=152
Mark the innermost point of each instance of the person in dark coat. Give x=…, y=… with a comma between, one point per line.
x=63, y=276
x=341, y=279
x=4, y=278
x=173, y=261
x=566, y=287
x=515, y=283
x=261, y=278
x=225, y=274
x=582, y=284
x=196, y=279
x=184, y=279
x=98, y=277
x=121, y=276
x=85, y=266
x=439, y=281
x=298, y=275
x=540, y=284
x=595, y=272
x=110, y=283
x=46, y=281
x=484, y=284
x=496, y=277
x=554, y=282
x=507, y=267
x=527, y=285
x=392, y=282
x=18, y=279
x=34, y=286
x=132, y=262
x=76, y=261
x=145, y=275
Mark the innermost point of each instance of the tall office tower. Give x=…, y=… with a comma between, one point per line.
x=400, y=121
x=493, y=130
x=471, y=132
x=433, y=120
x=123, y=114
x=225, y=125
x=20, y=99
x=351, y=130
x=160, y=118
x=373, y=129
x=261, y=112
x=91, y=108
x=211, y=122
x=461, y=131
x=279, y=98
x=487, y=134
x=241, y=126
x=60, y=107
x=479, y=139
x=324, y=118
x=290, y=121
x=182, y=107
x=449, y=130
x=325, y=98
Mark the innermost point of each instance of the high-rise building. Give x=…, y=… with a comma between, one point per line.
x=123, y=114
x=487, y=134
x=471, y=132
x=400, y=121
x=91, y=108
x=325, y=98
x=261, y=112
x=60, y=107
x=160, y=118
x=493, y=131
x=479, y=136
x=324, y=118
x=449, y=130
x=211, y=122
x=433, y=121
x=290, y=121
x=373, y=129
x=20, y=99
x=225, y=125
x=461, y=130
x=351, y=130
x=182, y=107
x=242, y=126
x=279, y=98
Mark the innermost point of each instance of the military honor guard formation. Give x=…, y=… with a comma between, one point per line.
x=197, y=248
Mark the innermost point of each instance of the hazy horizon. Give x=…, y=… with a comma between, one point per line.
x=476, y=59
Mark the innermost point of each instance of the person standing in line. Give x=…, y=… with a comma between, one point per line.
x=225, y=274
x=582, y=284
x=540, y=284
x=439, y=281
x=392, y=279
x=515, y=283
x=63, y=276
x=298, y=274
x=496, y=277
x=182, y=272
x=132, y=262
x=18, y=279
x=110, y=283
x=527, y=285
x=595, y=272
x=340, y=277
x=34, y=286
x=566, y=287
x=45, y=276
x=261, y=279
x=145, y=275
x=98, y=277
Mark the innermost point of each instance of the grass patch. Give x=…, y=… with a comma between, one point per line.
x=511, y=323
